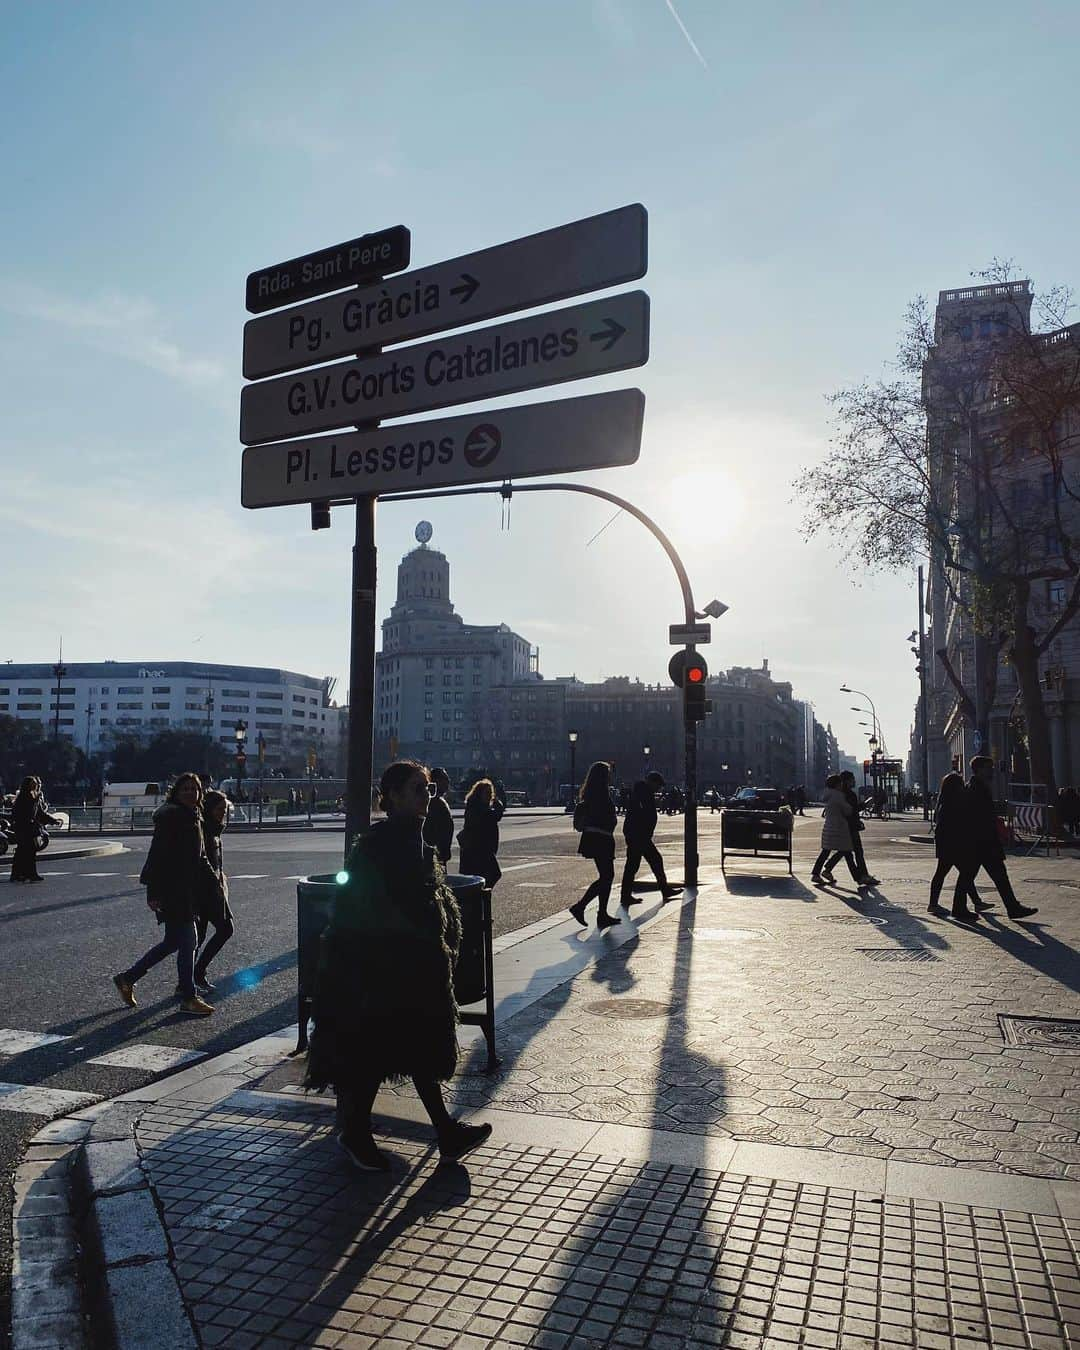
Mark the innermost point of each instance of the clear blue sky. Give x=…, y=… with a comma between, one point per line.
x=807, y=170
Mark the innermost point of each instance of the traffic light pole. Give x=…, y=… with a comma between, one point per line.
x=506, y=491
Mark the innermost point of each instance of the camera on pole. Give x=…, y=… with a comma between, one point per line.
x=320, y=515
x=689, y=671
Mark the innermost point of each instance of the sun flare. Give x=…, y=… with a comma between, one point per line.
x=705, y=502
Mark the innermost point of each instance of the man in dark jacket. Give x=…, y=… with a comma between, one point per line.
x=439, y=825
x=639, y=824
x=989, y=853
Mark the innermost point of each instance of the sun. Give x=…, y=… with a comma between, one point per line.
x=705, y=502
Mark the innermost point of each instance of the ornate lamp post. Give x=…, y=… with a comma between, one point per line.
x=572, y=736
x=240, y=732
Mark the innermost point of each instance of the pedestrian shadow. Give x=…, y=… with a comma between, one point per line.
x=614, y=970
x=32, y=911
x=903, y=927
x=1049, y=956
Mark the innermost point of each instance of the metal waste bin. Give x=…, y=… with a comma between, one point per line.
x=754, y=832
x=473, y=976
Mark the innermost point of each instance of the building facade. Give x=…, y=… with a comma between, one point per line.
x=94, y=702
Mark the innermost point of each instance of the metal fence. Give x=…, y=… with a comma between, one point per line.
x=128, y=819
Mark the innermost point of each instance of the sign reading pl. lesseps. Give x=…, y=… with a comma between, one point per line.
x=587, y=255
x=594, y=432
x=563, y=344
x=329, y=269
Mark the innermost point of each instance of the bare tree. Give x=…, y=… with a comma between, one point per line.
x=963, y=454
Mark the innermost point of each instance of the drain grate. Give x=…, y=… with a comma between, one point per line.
x=630, y=1007
x=729, y=934
x=850, y=918
x=1040, y=1033
x=897, y=953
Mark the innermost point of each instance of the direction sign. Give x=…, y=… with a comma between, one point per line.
x=604, y=250
x=689, y=634
x=597, y=431
x=562, y=344
x=329, y=269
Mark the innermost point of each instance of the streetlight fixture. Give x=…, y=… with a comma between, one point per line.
x=60, y=671
x=646, y=750
x=240, y=732
x=572, y=737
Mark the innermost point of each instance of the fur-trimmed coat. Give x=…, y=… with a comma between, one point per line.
x=836, y=830
x=384, y=1002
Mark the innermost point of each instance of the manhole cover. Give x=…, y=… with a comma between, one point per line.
x=897, y=953
x=1051, y=1033
x=729, y=934
x=630, y=1007
x=850, y=918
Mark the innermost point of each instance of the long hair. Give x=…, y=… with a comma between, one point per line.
x=215, y=798
x=394, y=778
x=952, y=785
x=28, y=784
x=597, y=780
x=183, y=778
x=480, y=783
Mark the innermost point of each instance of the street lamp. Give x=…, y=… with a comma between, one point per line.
x=646, y=750
x=240, y=732
x=60, y=671
x=572, y=737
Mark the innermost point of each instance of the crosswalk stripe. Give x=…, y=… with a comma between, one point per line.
x=18, y=1042
x=41, y=1101
x=100, y=874
x=537, y=885
x=151, y=1058
x=520, y=867
x=248, y=876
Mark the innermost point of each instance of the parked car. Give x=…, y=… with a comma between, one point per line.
x=757, y=799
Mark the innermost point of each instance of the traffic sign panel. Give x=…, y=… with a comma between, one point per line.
x=329, y=269
x=563, y=344
x=587, y=255
x=597, y=431
x=693, y=634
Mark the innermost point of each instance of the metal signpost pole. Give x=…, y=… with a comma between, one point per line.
x=361, y=674
x=923, y=692
x=690, y=831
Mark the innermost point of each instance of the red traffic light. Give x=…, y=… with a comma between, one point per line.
x=688, y=668
x=695, y=675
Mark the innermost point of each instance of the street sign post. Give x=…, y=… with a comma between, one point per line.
x=689, y=634
x=587, y=255
x=329, y=269
x=563, y=344
x=597, y=431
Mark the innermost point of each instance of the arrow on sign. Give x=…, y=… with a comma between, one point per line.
x=482, y=445
x=610, y=334
x=467, y=289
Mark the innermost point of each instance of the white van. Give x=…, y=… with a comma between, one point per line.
x=132, y=794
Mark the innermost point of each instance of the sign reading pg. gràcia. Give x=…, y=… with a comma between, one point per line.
x=586, y=255
x=567, y=344
x=597, y=431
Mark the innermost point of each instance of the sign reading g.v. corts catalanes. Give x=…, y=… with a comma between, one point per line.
x=566, y=344
x=597, y=431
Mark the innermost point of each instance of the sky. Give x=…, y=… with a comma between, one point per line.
x=808, y=168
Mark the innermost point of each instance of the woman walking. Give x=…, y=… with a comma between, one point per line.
x=835, y=834
x=28, y=819
x=177, y=877
x=595, y=818
x=384, y=1005
x=214, y=910
x=478, y=839
x=954, y=845
x=855, y=825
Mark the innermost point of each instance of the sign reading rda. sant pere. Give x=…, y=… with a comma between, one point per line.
x=563, y=344
x=329, y=269
x=597, y=431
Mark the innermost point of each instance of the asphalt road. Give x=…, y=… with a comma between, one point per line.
x=63, y=940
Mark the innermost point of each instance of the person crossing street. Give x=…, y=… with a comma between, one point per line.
x=639, y=825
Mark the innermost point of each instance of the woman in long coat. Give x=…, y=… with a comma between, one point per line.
x=384, y=1003
x=954, y=846
x=479, y=837
x=595, y=817
x=177, y=876
x=214, y=909
x=28, y=818
x=835, y=832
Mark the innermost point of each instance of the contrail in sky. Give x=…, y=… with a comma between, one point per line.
x=685, y=32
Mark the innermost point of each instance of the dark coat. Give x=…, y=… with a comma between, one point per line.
x=28, y=816
x=479, y=840
x=439, y=828
x=177, y=873
x=954, y=834
x=384, y=1001
x=639, y=823
x=214, y=902
x=596, y=819
x=984, y=818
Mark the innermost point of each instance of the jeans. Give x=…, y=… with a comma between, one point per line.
x=181, y=938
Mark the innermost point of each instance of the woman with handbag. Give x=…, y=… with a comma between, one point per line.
x=595, y=818
x=28, y=821
x=479, y=837
x=177, y=877
x=384, y=1003
x=214, y=908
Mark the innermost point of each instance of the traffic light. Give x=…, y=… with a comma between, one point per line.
x=689, y=671
x=320, y=515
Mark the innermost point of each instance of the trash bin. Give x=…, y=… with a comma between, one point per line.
x=745, y=833
x=473, y=976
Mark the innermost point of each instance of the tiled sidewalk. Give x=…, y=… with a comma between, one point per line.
x=277, y=1244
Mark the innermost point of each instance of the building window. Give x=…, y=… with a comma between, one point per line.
x=429, y=734
x=130, y=707
x=28, y=707
x=269, y=693
x=29, y=691
x=1053, y=543
x=269, y=712
x=130, y=689
x=428, y=716
x=162, y=689
x=1055, y=594
x=161, y=707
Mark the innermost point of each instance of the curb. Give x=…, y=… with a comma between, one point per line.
x=90, y=851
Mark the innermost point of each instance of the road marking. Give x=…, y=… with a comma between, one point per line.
x=39, y=1101
x=520, y=867
x=151, y=1058
x=99, y=874
x=536, y=885
x=56, y=874
x=248, y=876
x=18, y=1042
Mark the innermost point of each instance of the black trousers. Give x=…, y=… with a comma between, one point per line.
x=24, y=863
x=965, y=883
x=828, y=859
x=636, y=850
x=995, y=869
x=354, y=1105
